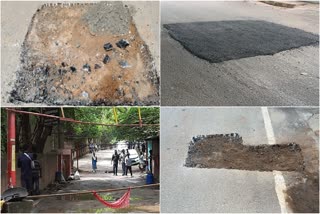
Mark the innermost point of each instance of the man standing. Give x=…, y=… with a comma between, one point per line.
x=123, y=162
x=25, y=162
x=128, y=164
x=115, y=160
x=36, y=175
x=94, y=161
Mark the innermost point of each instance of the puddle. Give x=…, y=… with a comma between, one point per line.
x=71, y=56
x=229, y=152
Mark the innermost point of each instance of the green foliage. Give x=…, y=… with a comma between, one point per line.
x=150, y=115
x=105, y=115
x=3, y=130
x=107, y=197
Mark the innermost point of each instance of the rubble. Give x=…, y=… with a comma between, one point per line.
x=86, y=67
x=106, y=59
x=124, y=64
x=108, y=46
x=122, y=44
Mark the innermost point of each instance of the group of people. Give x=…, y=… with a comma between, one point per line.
x=30, y=171
x=124, y=159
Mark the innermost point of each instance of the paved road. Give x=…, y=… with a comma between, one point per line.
x=220, y=190
x=258, y=81
x=142, y=200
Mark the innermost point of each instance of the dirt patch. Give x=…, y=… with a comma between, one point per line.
x=303, y=193
x=228, y=151
x=64, y=62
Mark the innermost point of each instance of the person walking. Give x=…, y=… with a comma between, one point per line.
x=36, y=175
x=123, y=162
x=115, y=160
x=128, y=164
x=25, y=163
x=94, y=162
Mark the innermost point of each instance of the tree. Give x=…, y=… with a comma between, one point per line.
x=126, y=115
x=33, y=131
x=150, y=115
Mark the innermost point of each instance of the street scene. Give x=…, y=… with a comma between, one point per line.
x=80, y=160
x=239, y=53
x=80, y=53
x=240, y=160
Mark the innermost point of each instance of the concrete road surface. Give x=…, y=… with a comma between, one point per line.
x=221, y=190
x=286, y=78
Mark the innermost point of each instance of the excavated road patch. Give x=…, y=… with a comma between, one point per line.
x=227, y=40
x=229, y=152
x=64, y=60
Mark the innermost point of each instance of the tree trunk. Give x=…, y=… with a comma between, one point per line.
x=25, y=130
x=40, y=135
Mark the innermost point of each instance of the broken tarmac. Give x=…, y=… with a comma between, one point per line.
x=233, y=190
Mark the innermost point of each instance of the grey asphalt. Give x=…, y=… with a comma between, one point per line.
x=272, y=80
x=219, y=190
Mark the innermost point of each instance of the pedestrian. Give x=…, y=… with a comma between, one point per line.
x=91, y=147
x=115, y=160
x=94, y=162
x=36, y=175
x=142, y=163
x=123, y=162
x=25, y=163
x=128, y=164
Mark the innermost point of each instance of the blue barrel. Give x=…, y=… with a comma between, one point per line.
x=149, y=179
x=58, y=176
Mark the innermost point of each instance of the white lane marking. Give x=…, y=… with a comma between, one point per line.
x=280, y=184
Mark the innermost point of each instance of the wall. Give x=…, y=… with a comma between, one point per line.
x=48, y=173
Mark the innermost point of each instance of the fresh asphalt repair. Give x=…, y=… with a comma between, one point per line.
x=227, y=40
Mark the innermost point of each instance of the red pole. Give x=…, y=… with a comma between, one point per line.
x=11, y=149
x=77, y=153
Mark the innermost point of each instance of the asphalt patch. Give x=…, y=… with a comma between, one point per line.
x=227, y=40
x=229, y=152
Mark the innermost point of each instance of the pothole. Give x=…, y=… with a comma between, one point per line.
x=229, y=152
x=85, y=54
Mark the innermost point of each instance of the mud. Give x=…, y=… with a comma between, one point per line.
x=62, y=59
x=228, y=151
x=302, y=192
